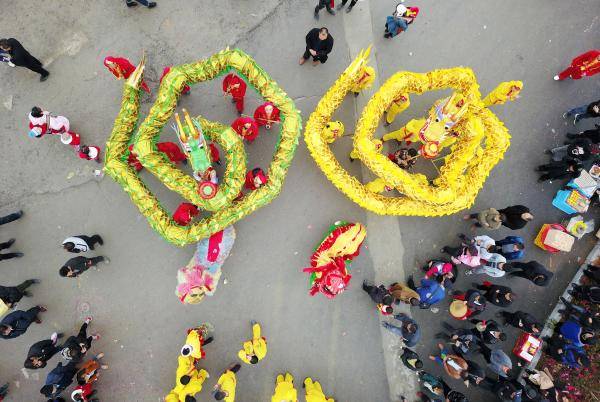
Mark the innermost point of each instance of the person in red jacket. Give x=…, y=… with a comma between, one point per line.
x=246, y=127
x=186, y=89
x=122, y=69
x=255, y=179
x=236, y=87
x=184, y=213
x=214, y=153
x=584, y=65
x=266, y=114
x=90, y=153
x=172, y=151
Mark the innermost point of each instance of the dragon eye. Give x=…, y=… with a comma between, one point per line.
x=437, y=120
x=187, y=350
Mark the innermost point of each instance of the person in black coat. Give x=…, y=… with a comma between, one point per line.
x=532, y=270
x=515, y=217
x=16, y=323
x=42, y=351
x=581, y=149
x=319, y=44
x=381, y=296
x=11, y=295
x=591, y=134
x=20, y=57
x=565, y=169
x=59, y=379
x=488, y=331
x=592, y=272
x=75, y=347
x=522, y=320
x=78, y=265
x=411, y=359
x=496, y=294
x=586, y=293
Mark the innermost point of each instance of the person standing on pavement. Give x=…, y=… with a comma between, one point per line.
x=409, y=330
x=58, y=380
x=584, y=65
x=352, y=4
x=319, y=44
x=532, y=270
x=133, y=3
x=11, y=295
x=511, y=248
x=78, y=265
x=255, y=349
x=10, y=217
x=76, y=346
x=81, y=243
x=16, y=55
x=42, y=351
x=235, y=87
x=514, y=217
x=381, y=296
x=488, y=331
x=16, y=323
x=400, y=20
x=498, y=295
x=411, y=359
x=521, y=320
x=3, y=391
x=404, y=294
x=498, y=361
x=591, y=110
x=327, y=4
x=225, y=388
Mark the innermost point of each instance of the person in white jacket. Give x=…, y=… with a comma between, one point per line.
x=41, y=122
x=81, y=243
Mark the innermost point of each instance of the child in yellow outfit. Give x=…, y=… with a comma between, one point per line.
x=399, y=105
x=188, y=380
x=225, y=388
x=284, y=389
x=504, y=92
x=256, y=349
x=314, y=392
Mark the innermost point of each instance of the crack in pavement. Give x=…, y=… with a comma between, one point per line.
x=257, y=25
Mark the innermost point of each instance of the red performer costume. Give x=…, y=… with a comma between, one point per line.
x=83, y=391
x=246, y=127
x=236, y=87
x=214, y=153
x=133, y=161
x=184, y=213
x=186, y=89
x=266, y=114
x=584, y=65
x=172, y=151
x=122, y=69
x=71, y=138
x=90, y=152
x=255, y=178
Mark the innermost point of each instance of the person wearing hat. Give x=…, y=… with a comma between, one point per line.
x=409, y=330
x=16, y=55
x=314, y=391
x=458, y=309
x=381, y=296
x=284, y=389
x=473, y=300
x=319, y=44
x=400, y=20
x=42, y=122
x=90, y=153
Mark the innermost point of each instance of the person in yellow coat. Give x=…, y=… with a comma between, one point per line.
x=256, y=349
x=399, y=105
x=284, y=389
x=314, y=392
x=504, y=92
x=225, y=388
x=188, y=381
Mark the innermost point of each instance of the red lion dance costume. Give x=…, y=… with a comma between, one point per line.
x=331, y=260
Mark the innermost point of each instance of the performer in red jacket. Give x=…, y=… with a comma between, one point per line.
x=236, y=87
x=255, y=179
x=184, y=213
x=186, y=89
x=122, y=69
x=584, y=65
x=266, y=114
x=90, y=152
x=172, y=151
x=246, y=127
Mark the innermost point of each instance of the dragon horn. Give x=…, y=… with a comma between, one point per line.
x=181, y=133
x=137, y=76
x=188, y=121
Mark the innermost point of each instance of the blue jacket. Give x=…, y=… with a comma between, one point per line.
x=19, y=321
x=511, y=240
x=431, y=292
x=569, y=357
x=395, y=24
x=571, y=331
x=62, y=376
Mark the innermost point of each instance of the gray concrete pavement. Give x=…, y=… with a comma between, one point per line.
x=132, y=299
